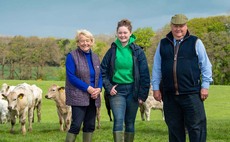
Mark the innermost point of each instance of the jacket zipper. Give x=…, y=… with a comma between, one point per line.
x=176, y=48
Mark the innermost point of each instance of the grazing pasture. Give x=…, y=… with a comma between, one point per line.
x=217, y=109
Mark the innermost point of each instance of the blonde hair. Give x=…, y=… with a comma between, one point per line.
x=86, y=33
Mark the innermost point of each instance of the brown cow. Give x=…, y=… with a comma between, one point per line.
x=57, y=94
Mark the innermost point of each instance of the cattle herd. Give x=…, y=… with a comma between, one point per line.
x=21, y=101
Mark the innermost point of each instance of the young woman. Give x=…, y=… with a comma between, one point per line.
x=126, y=79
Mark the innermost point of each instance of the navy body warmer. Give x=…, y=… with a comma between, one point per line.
x=75, y=96
x=187, y=69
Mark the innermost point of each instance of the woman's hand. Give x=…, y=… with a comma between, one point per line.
x=90, y=89
x=113, y=91
x=94, y=92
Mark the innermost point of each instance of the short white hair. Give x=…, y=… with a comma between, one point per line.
x=85, y=33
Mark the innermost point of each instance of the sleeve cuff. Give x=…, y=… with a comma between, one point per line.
x=205, y=85
x=155, y=87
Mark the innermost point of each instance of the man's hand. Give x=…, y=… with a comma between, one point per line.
x=157, y=95
x=203, y=94
x=140, y=101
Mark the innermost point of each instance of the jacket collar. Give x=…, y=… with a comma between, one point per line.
x=133, y=46
x=169, y=36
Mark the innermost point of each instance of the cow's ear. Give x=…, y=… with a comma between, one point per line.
x=20, y=96
x=61, y=88
x=8, y=87
x=4, y=97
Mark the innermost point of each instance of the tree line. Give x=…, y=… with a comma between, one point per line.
x=32, y=58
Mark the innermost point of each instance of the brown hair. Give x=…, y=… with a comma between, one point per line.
x=126, y=23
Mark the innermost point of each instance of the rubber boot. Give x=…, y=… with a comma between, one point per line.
x=87, y=137
x=70, y=137
x=129, y=136
x=118, y=136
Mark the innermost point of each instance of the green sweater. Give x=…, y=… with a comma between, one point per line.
x=123, y=72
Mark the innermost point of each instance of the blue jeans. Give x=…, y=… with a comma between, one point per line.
x=124, y=108
x=185, y=111
x=85, y=115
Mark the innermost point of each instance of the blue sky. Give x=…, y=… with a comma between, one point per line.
x=62, y=18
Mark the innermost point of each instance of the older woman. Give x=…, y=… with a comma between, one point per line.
x=83, y=86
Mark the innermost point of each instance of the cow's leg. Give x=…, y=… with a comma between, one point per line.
x=67, y=121
x=61, y=121
x=39, y=111
x=142, y=111
x=147, y=114
x=13, y=121
x=35, y=107
x=143, y=116
x=33, y=115
x=30, y=118
x=163, y=116
x=22, y=119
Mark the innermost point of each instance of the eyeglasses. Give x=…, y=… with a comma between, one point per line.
x=84, y=41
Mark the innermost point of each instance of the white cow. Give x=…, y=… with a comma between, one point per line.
x=5, y=90
x=38, y=100
x=150, y=103
x=37, y=96
x=21, y=103
x=57, y=94
x=4, y=113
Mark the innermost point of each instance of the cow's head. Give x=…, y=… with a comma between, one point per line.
x=53, y=91
x=15, y=99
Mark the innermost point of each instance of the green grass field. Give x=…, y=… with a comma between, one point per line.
x=217, y=111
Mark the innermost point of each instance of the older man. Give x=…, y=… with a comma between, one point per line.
x=180, y=62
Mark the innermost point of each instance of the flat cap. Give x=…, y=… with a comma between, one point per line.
x=179, y=19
